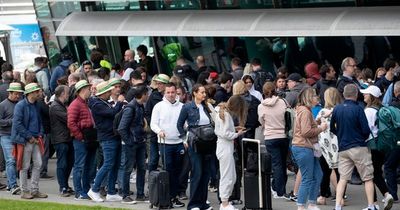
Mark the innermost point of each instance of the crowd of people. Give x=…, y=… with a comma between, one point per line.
x=109, y=124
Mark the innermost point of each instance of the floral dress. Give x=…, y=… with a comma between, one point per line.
x=327, y=140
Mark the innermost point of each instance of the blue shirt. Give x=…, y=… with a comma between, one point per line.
x=350, y=125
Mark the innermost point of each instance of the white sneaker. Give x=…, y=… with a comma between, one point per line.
x=376, y=208
x=228, y=207
x=313, y=208
x=388, y=202
x=196, y=208
x=95, y=196
x=115, y=197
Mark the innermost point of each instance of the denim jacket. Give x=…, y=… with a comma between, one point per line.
x=190, y=114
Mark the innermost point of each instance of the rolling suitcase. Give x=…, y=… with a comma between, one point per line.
x=257, y=175
x=159, y=188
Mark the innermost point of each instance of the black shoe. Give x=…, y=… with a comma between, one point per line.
x=183, y=196
x=70, y=190
x=45, y=176
x=142, y=198
x=64, y=193
x=175, y=203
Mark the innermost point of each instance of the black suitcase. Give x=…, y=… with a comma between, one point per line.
x=257, y=173
x=159, y=188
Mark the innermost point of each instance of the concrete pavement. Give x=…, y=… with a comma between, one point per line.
x=356, y=200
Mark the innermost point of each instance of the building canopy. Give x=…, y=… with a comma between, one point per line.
x=348, y=21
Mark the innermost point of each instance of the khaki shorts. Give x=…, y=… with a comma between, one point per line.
x=359, y=157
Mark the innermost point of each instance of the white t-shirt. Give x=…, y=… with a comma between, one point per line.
x=370, y=113
x=204, y=120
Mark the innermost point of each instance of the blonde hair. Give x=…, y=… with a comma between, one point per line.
x=332, y=97
x=247, y=69
x=305, y=97
x=239, y=88
x=176, y=80
x=153, y=84
x=236, y=106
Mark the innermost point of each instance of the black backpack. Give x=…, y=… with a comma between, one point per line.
x=118, y=117
x=260, y=78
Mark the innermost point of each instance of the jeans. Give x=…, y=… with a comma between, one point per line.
x=84, y=167
x=173, y=154
x=390, y=168
x=31, y=153
x=154, y=154
x=311, y=175
x=112, y=159
x=65, y=161
x=278, y=148
x=7, y=145
x=199, y=177
x=133, y=155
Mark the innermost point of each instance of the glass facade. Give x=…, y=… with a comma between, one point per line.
x=273, y=51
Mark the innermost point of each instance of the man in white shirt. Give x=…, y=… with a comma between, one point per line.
x=163, y=122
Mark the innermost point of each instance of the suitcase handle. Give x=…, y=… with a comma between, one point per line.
x=164, y=165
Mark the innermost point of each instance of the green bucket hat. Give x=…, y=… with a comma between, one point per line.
x=114, y=81
x=162, y=78
x=15, y=87
x=31, y=87
x=81, y=84
x=103, y=87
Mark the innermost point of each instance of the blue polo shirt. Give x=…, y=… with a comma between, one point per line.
x=350, y=125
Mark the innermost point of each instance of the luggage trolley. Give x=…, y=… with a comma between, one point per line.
x=257, y=171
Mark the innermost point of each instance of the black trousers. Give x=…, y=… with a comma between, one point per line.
x=378, y=159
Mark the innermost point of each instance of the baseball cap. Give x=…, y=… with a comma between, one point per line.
x=373, y=90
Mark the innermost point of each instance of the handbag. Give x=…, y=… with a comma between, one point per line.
x=316, y=148
x=205, y=141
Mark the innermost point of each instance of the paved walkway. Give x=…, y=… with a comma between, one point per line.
x=356, y=201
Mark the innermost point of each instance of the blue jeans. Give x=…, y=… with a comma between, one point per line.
x=199, y=177
x=65, y=161
x=174, y=154
x=278, y=148
x=84, y=167
x=311, y=175
x=391, y=164
x=133, y=155
x=112, y=159
x=154, y=154
x=7, y=145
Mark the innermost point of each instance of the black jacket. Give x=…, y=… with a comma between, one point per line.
x=221, y=95
x=44, y=113
x=343, y=81
x=322, y=85
x=58, y=118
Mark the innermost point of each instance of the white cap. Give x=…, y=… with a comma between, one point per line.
x=373, y=90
